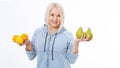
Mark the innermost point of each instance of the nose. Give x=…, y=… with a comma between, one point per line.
x=55, y=18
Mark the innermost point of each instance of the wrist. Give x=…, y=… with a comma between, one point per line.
x=76, y=42
x=28, y=49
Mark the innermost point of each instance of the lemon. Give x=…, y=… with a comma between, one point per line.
x=19, y=40
x=15, y=37
x=24, y=36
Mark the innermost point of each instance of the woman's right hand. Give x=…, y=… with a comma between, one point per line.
x=28, y=45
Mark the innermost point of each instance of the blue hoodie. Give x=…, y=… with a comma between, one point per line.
x=52, y=51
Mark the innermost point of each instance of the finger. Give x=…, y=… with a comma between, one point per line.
x=27, y=42
x=83, y=36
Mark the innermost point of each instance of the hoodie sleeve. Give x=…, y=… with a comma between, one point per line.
x=32, y=54
x=71, y=58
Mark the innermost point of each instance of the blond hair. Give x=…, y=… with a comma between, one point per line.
x=58, y=6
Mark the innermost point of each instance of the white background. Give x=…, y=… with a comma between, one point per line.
x=24, y=16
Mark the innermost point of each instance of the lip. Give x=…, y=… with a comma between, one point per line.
x=54, y=22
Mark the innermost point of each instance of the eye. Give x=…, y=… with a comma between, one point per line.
x=52, y=14
x=58, y=15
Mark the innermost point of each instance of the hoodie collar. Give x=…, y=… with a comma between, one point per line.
x=57, y=32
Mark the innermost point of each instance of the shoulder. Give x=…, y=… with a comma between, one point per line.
x=37, y=30
x=40, y=30
x=65, y=31
x=68, y=35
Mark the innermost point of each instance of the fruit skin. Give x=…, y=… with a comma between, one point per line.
x=79, y=33
x=15, y=37
x=24, y=36
x=19, y=40
x=89, y=34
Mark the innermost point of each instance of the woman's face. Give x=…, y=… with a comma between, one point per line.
x=54, y=18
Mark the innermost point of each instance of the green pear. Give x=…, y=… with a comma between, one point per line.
x=79, y=33
x=89, y=34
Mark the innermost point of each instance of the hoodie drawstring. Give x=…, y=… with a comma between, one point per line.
x=45, y=41
x=52, y=43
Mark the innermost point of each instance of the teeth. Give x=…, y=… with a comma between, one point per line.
x=54, y=22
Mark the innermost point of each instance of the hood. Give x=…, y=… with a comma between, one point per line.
x=61, y=29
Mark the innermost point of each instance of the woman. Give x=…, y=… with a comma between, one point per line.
x=53, y=45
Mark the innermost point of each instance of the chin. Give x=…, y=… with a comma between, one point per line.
x=55, y=26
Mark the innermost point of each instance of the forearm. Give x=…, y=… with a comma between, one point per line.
x=75, y=47
x=31, y=53
x=30, y=50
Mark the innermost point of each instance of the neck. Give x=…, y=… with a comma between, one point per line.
x=52, y=30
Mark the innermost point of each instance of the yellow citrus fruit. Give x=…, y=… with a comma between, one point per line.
x=15, y=37
x=24, y=36
x=19, y=40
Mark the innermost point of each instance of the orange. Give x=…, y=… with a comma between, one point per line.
x=24, y=36
x=15, y=37
x=19, y=40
